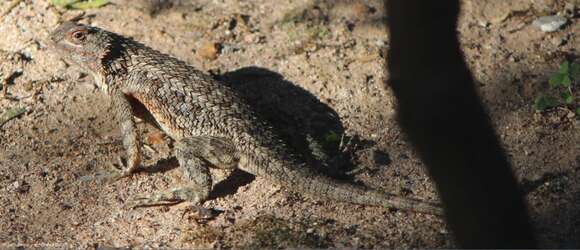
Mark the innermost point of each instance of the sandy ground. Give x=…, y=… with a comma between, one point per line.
x=315, y=69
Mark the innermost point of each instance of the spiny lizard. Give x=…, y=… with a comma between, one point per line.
x=211, y=125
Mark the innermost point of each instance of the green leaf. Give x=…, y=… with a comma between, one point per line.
x=91, y=4
x=578, y=110
x=545, y=102
x=556, y=80
x=63, y=3
x=568, y=98
x=11, y=114
x=331, y=137
x=566, y=81
x=80, y=4
x=575, y=71
x=564, y=67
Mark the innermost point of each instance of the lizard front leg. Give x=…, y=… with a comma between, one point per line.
x=131, y=142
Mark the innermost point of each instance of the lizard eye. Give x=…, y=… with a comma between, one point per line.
x=78, y=36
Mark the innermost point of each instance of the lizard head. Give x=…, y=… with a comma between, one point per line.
x=82, y=45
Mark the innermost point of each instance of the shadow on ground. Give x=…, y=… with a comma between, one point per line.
x=310, y=127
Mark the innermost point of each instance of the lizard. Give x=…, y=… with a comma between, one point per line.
x=211, y=125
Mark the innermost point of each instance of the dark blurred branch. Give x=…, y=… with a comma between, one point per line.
x=441, y=113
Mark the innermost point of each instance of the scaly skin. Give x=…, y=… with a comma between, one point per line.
x=211, y=125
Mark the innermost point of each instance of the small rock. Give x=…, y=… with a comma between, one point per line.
x=550, y=23
x=20, y=186
x=381, y=43
x=28, y=85
x=254, y=38
x=484, y=23
x=209, y=50
x=65, y=206
x=229, y=48
x=569, y=10
x=557, y=41
x=250, y=38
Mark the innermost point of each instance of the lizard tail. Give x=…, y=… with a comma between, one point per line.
x=304, y=180
x=319, y=185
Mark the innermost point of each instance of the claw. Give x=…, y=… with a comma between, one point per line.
x=199, y=212
x=121, y=163
x=117, y=173
x=169, y=197
x=111, y=176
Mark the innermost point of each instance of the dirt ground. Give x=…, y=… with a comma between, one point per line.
x=315, y=70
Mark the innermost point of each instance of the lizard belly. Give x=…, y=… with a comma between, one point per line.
x=166, y=119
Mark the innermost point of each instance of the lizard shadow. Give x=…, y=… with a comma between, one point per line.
x=312, y=129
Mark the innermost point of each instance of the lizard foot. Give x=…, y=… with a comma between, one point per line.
x=109, y=176
x=105, y=176
x=199, y=213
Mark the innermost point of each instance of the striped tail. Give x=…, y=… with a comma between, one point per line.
x=301, y=179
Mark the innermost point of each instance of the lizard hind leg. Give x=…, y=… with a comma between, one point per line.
x=195, y=156
x=196, y=172
x=218, y=151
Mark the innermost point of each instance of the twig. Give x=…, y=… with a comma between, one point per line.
x=9, y=79
x=145, y=146
x=3, y=85
x=10, y=8
x=11, y=114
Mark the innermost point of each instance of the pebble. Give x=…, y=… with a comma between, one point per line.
x=209, y=51
x=550, y=23
x=557, y=41
x=381, y=43
x=229, y=48
x=484, y=24
x=20, y=186
x=250, y=38
x=254, y=38
x=28, y=85
x=569, y=9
